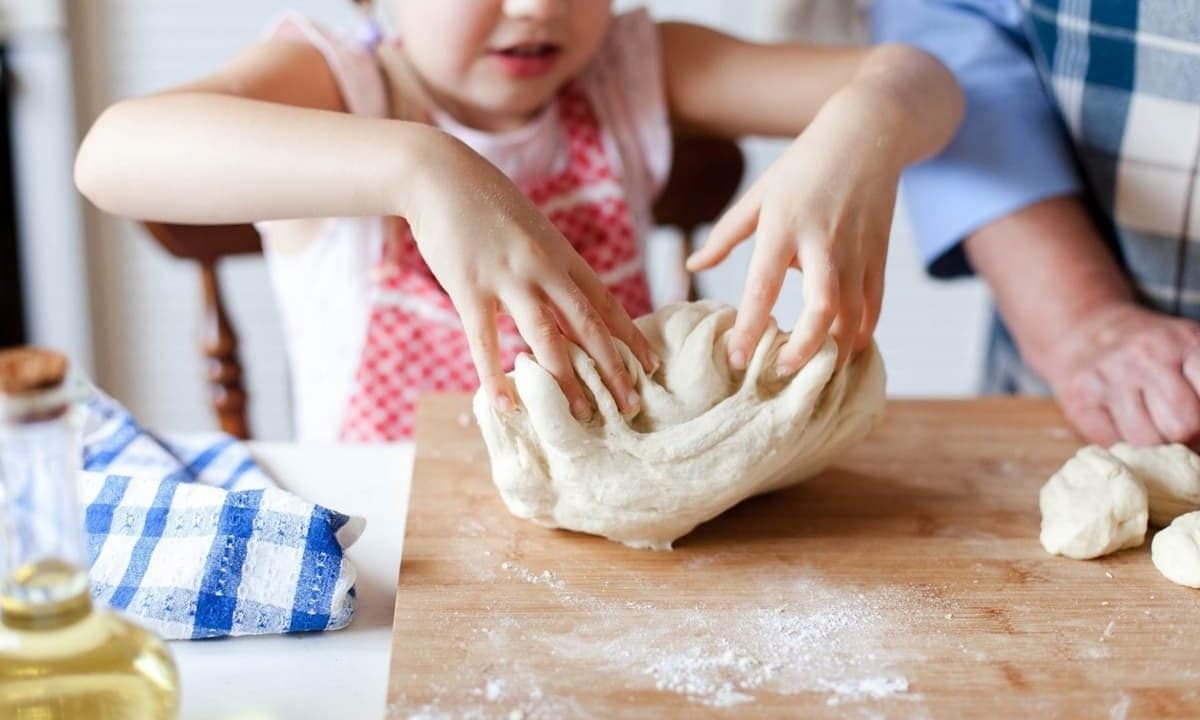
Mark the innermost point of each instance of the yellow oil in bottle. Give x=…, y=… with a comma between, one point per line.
x=62, y=659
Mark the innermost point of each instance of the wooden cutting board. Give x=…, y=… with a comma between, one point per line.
x=906, y=582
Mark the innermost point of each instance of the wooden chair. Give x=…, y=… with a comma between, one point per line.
x=704, y=176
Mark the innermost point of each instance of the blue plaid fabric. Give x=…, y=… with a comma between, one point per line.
x=1125, y=75
x=1117, y=81
x=190, y=537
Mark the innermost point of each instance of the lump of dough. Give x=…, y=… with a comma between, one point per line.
x=1176, y=550
x=1092, y=506
x=705, y=438
x=1171, y=474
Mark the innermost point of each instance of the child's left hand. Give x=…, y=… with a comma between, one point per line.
x=824, y=207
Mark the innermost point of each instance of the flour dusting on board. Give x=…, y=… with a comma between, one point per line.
x=796, y=633
x=723, y=656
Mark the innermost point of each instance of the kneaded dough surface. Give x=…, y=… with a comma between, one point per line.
x=1176, y=550
x=705, y=438
x=1093, y=506
x=1171, y=474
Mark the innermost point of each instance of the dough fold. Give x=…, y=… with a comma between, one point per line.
x=705, y=438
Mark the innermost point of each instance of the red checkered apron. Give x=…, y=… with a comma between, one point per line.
x=415, y=342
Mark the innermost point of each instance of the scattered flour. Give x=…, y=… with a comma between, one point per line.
x=494, y=690
x=546, y=577
x=1108, y=630
x=799, y=635
x=1097, y=652
x=796, y=633
x=875, y=688
x=1121, y=708
x=1057, y=433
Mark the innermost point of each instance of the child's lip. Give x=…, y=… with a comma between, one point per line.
x=527, y=49
x=527, y=59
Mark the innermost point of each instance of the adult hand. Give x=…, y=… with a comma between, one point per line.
x=1128, y=373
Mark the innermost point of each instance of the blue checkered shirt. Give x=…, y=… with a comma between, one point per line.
x=1117, y=79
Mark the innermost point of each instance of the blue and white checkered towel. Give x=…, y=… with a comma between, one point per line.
x=190, y=537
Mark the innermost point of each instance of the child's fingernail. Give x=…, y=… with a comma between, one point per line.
x=737, y=360
x=784, y=369
x=503, y=402
x=633, y=400
x=581, y=409
x=654, y=363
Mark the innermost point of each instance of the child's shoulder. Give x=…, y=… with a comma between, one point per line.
x=632, y=39
x=350, y=57
x=625, y=82
x=629, y=60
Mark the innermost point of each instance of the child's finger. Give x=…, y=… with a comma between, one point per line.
x=764, y=279
x=846, y=326
x=872, y=307
x=732, y=228
x=587, y=329
x=540, y=329
x=479, y=322
x=613, y=313
x=821, y=294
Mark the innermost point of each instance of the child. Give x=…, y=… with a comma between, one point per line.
x=502, y=156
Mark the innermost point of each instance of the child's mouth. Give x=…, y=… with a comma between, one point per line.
x=527, y=59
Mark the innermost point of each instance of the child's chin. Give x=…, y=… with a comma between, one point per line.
x=525, y=98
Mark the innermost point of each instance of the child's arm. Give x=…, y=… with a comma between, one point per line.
x=825, y=206
x=268, y=138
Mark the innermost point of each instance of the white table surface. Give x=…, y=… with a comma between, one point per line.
x=340, y=674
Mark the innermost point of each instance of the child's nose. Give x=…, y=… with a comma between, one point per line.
x=534, y=9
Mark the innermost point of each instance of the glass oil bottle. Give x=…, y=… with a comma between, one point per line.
x=60, y=657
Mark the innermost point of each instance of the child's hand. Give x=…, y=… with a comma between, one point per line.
x=493, y=251
x=1130, y=374
x=824, y=207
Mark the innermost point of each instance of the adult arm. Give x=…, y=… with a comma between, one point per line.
x=1119, y=370
x=1010, y=151
x=1002, y=200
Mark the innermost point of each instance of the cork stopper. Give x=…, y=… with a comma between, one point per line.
x=30, y=370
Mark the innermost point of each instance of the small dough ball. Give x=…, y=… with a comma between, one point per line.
x=1176, y=550
x=1171, y=474
x=1092, y=506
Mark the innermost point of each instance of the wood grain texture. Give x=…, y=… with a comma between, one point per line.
x=906, y=582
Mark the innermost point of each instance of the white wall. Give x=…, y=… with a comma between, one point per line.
x=50, y=232
x=146, y=304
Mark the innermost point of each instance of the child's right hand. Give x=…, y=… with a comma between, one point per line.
x=493, y=251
